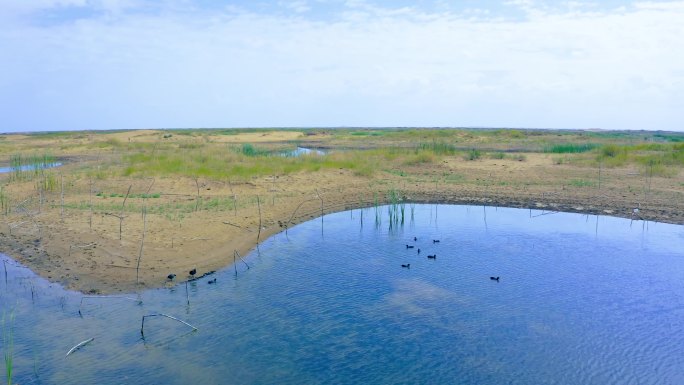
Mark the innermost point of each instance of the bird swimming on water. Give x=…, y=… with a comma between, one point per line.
x=409, y=246
x=495, y=278
x=434, y=256
x=212, y=281
x=408, y=265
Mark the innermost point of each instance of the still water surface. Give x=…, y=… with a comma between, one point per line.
x=29, y=167
x=581, y=300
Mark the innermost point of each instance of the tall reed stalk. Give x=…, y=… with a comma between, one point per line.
x=8, y=345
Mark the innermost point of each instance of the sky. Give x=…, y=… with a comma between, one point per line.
x=129, y=64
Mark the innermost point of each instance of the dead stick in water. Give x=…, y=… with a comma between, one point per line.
x=79, y=345
x=239, y=256
x=187, y=297
x=103, y=297
x=234, y=263
x=259, y=206
x=142, y=327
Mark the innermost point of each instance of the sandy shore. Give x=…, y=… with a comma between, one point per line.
x=82, y=251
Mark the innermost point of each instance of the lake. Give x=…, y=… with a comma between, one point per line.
x=580, y=300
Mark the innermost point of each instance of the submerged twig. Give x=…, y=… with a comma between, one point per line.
x=79, y=345
x=103, y=297
x=142, y=326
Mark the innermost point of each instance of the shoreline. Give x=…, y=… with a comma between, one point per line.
x=23, y=249
x=197, y=197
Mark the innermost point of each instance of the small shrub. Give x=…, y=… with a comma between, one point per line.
x=473, y=155
x=420, y=157
x=610, y=150
x=498, y=155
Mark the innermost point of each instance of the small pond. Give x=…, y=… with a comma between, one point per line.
x=299, y=151
x=29, y=167
x=580, y=300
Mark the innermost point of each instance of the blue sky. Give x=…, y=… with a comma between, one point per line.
x=122, y=64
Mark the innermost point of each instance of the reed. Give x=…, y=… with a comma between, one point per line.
x=8, y=345
x=4, y=201
x=570, y=148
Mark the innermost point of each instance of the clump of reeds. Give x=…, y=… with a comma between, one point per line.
x=396, y=208
x=28, y=167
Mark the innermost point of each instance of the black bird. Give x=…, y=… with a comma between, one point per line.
x=415, y=239
x=418, y=251
x=212, y=281
x=408, y=265
x=435, y=241
x=171, y=277
x=409, y=247
x=193, y=272
x=494, y=279
x=432, y=256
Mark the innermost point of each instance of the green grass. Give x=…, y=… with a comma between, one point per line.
x=582, y=183
x=570, y=148
x=367, y=133
x=438, y=148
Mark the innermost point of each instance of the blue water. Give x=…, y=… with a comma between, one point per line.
x=29, y=167
x=299, y=151
x=581, y=300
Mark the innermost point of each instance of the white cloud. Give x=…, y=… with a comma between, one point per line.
x=618, y=69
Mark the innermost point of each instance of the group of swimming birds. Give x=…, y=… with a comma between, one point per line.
x=433, y=256
x=406, y=265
